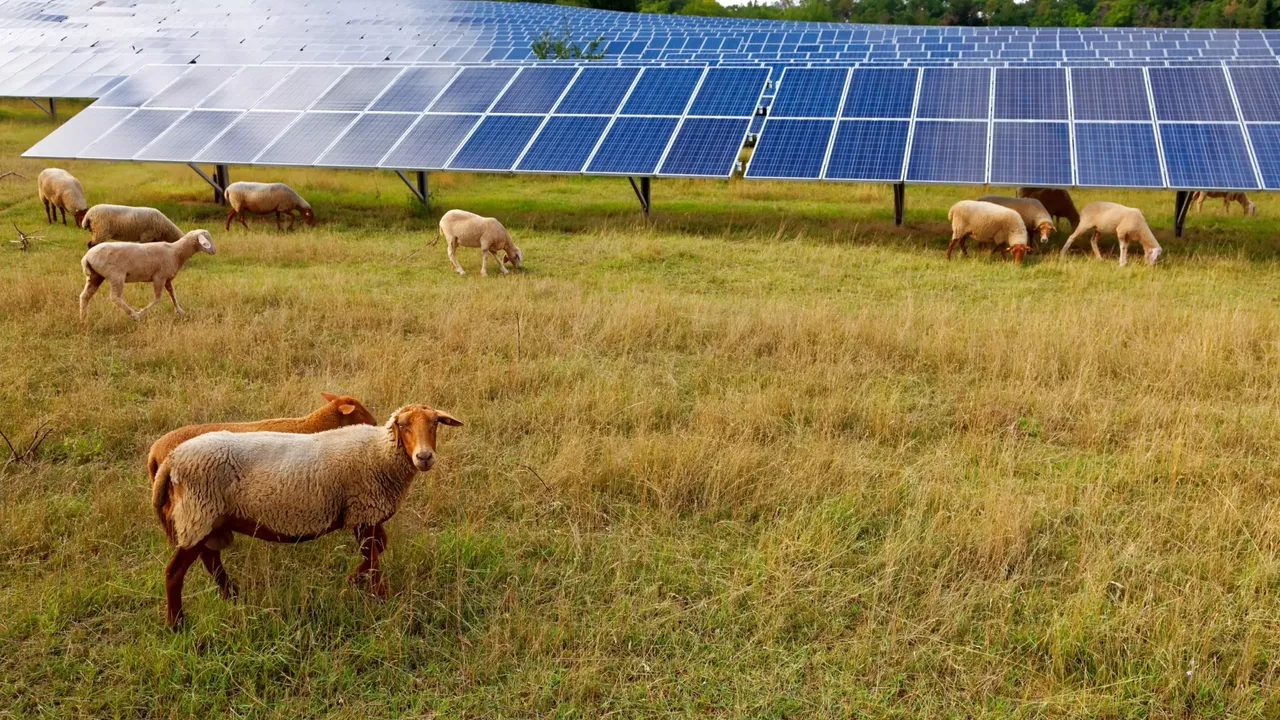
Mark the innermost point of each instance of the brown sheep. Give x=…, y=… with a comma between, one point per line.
x=1056, y=200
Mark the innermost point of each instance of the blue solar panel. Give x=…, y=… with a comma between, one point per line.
x=706, y=147
x=1266, y=147
x=662, y=91
x=791, y=149
x=497, y=143
x=1258, y=90
x=414, y=90
x=367, y=140
x=303, y=142
x=1206, y=156
x=126, y=139
x=953, y=152
x=300, y=89
x=597, y=91
x=187, y=136
x=881, y=93
x=247, y=89
x=1109, y=94
x=431, y=142
x=809, y=92
x=871, y=150
x=473, y=89
x=1191, y=94
x=564, y=143
x=1031, y=94
x=730, y=92
x=1031, y=153
x=960, y=93
x=357, y=89
x=1117, y=155
x=633, y=146
x=535, y=90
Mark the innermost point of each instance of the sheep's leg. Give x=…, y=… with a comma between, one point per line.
x=240, y=214
x=47, y=215
x=1070, y=239
x=91, y=285
x=1124, y=249
x=278, y=225
x=372, y=541
x=501, y=265
x=64, y=215
x=292, y=219
x=168, y=285
x=951, y=245
x=452, y=245
x=117, y=297
x=484, y=258
x=1094, y=242
x=230, y=214
x=212, y=560
x=157, y=287
x=174, y=574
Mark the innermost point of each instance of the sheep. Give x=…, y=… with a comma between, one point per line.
x=461, y=228
x=1227, y=198
x=987, y=222
x=283, y=487
x=156, y=263
x=1056, y=201
x=60, y=190
x=1126, y=223
x=1032, y=211
x=264, y=199
x=338, y=411
x=129, y=224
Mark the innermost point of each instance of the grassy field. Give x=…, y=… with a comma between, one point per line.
x=767, y=456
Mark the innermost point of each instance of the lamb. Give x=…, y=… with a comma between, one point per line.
x=987, y=222
x=1227, y=198
x=283, y=487
x=1126, y=223
x=338, y=411
x=264, y=199
x=1032, y=211
x=122, y=262
x=1056, y=201
x=461, y=228
x=129, y=224
x=60, y=190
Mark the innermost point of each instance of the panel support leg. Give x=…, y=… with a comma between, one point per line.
x=215, y=184
x=642, y=193
x=223, y=177
x=51, y=111
x=419, y=188
x=899, y=202
x=1181, y=203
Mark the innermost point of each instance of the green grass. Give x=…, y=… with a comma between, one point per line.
x=766, y=456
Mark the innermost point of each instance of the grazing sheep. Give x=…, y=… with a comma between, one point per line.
x=461, y=228
x=1227, y=198
x=156, y=263
x=339, y=411
x=60, y=190
x=1056, y=201
x=987, y=222
x=1032, y=211
x=129, y=224
x=1126, y=223
x=264, y=199
x=283, y=487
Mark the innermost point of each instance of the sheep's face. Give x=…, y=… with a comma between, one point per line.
x=1250, y=209
x=1046, y=229
x=80, y=216
x=512, y=256
x=1018, y=251
x=348, y=410
x=415, y=429
x=204, y=240
x=308, y=217
x=1152, y=255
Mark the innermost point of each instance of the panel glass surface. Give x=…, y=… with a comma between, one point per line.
x=1031, y=94
x=247, y=89
x=1258, y=90
x=1206, y=157
x=792, y=149
x=730, y=92
x=364, y=144
x=705, y=147
x=1109, y=94
x=1117, y=155
x=300, y=89
x=1031, y=153
x=306, y=139
x=535, y=90
x=954, y=93
x=431, y=142
x=633, y=145
x=564, y=144
x=662, y=91
x=183, y=141
x=473, y=90
x=954, y=152
x=357, y=89
x=1266, y=147
x=809, y=92
x=141, y=86
x=126, y=139
x=597, y=91
x=73, y=136
x=191, y=88
x=414, y=90
x=247, y=137
x=497, y=143
x=881, y=93
x=872, y=150
x=1192, y=94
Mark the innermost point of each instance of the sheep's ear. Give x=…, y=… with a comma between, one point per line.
x=328, y=396
x=445, y=418
x=346, y=409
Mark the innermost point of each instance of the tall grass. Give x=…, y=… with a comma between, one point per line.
x=765, y=456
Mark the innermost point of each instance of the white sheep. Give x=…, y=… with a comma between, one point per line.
x=1033, y=212
x=156, y=263
x=284, y=487
x=1227, y=198
x=264, y=199
x=1126, y=223
x=461, y=228
x=129, y=224
x=60, y=190
x=987, y=222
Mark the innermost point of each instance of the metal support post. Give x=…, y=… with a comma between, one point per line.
x=899, y=202
x=642, y=193
x=419, y=188
x=1181, y=203
x=215, y=184
x=223, y=176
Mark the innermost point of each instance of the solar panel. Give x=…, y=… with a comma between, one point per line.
x=497, y=143
x=1117, y=155
x=954, y=93
x=71, y=138
x=1258, y=90
x=1031, y=94
x=949, y=152
x=868, y=150
x=246, y=138
x=705, y=147
x=1206, y=156
x=357, y=89
x=303, y=142
x=184, y=140
x=791, y=149
x=1191, y=94
x=141, y=87
x=248, y=87
x=633, y=146
x=564, y=143
x=126, y=139
x=880, y=93
x=535, y=90
x=729, y=92
x=809, y=92
x=430, y=142
x=192, y=87
x=367, y=140
x=414, y=90
x=1109, y=94
x=597, y=91
x=300, y=89
x=1031, y=153
x=663, y=91
x=1266, y=147
x=473, y=89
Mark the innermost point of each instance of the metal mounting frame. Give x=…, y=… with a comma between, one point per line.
x=51, y=111
x=221, y=178
x=899, y=202
x=642, y=193
x=1181, y=203
x=419, y=189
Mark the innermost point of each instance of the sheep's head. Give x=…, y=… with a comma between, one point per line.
x=1046, y=229
x=348, y=410
x=80, y=216
x=1250, y=208
x=307, y=216
x=511, y=255
x=1152, y=255
x=1018, y=252
x=203, y=239
x=415, y=431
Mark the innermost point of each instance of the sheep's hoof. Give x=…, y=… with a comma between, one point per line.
x=379, y=588
x=179, y=311
x=135, y=315
x=174, y=620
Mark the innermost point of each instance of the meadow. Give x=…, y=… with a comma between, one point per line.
x=763, y=456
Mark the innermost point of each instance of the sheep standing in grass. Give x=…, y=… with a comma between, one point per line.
x=461, y=228
x=156, y=263
x=284, y=487
x=264, y=199
x=986, y=222
x=129, y=224
x=338, y=411
x=1033, y=213
x=1056, y=201
x=1126, y=223
x=60, y=190
x=1227, y=199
